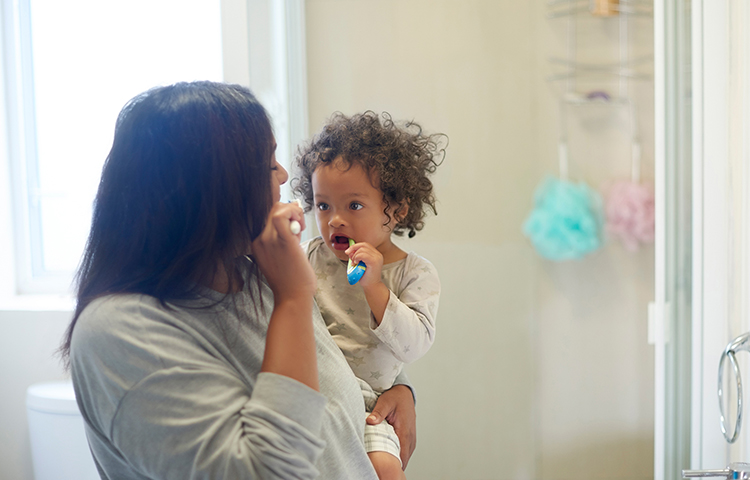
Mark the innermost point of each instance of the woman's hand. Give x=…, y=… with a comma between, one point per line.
x=279, y=256
x=397, y=406
x=290, y=339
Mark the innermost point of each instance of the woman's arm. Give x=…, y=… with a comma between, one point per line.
x=204, y=424
x=290, y=343
x=161, y=395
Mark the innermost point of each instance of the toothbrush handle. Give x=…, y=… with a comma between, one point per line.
x=352, y=242
x=295, y=227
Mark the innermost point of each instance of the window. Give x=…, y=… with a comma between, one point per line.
x=71, y=66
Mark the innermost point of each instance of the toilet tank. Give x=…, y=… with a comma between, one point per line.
x=59, y=450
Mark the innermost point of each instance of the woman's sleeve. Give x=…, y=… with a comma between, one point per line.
x=403, y=379
x=183, y=423
x=408, y=325
x=169, y=406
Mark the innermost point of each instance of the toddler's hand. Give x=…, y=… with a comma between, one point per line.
x=364, y=252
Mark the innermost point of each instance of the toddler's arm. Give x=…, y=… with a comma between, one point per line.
x=408, y=323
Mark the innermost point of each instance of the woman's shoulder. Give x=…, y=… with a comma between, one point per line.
x=135, y=335
x=113, y=317
x=136, y=319
x=130, y=305
x=109, y=307
x=114, y=331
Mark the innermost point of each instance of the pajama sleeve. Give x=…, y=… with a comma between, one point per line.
x=408, y=325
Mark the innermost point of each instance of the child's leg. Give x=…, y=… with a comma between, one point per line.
x=386, y=466
x=383, y=448
x=381, y=442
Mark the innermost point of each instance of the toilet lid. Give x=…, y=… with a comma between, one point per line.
x=52, y=397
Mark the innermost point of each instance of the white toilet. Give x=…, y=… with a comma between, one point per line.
x=59, y=450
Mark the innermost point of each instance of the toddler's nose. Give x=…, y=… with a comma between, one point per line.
x=336, y=221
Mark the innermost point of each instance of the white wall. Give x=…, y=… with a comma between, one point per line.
x=28, y=341
x=455, y=68
x=29, y=335
x=540, y=370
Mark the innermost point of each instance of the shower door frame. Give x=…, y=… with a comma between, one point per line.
x=718, y=227
x=671, y=313
x=721, y=158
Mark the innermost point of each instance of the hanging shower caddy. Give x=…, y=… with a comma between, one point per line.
x=567, y=221
x=629, y=208
x=624, y=69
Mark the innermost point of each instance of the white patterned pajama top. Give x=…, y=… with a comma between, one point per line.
x=377, y=353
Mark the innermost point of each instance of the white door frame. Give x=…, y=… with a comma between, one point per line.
x=720, y=230
x=720, y=219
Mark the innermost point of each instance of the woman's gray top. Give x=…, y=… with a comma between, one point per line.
x=175, y=393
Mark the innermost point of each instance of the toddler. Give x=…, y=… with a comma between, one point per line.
x=367, y=179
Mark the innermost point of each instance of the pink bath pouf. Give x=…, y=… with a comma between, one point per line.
x=629, y=213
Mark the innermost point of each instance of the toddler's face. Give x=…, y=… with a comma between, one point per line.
x=347, y=205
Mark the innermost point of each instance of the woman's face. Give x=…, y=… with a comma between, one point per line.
x=279, y=176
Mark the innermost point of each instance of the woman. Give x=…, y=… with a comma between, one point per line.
x=191, y=359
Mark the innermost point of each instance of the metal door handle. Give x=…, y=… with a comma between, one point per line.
x=706, y=473
x=735, y=471
x=737, y=345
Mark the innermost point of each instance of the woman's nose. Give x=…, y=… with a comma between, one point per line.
x=282, y=174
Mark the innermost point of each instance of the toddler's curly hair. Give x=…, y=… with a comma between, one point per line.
x=397, y=158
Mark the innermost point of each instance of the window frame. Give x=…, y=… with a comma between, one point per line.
x=285, y=97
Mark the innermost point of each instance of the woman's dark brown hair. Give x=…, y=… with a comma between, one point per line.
x=184, y=190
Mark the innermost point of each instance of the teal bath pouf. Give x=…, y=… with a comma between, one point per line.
x=567, y=220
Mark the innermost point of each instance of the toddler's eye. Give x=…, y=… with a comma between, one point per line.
x=356, y=206
x=322, y=206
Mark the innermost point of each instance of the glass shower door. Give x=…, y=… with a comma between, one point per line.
x=670, y=314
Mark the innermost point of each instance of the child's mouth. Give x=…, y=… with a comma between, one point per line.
x=340, y=242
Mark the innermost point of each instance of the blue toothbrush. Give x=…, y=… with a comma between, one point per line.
x=354, y=272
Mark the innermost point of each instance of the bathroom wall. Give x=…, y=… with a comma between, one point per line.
x=466, y=69
x=540, y=370
x=29, y=335
x=28, y=340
